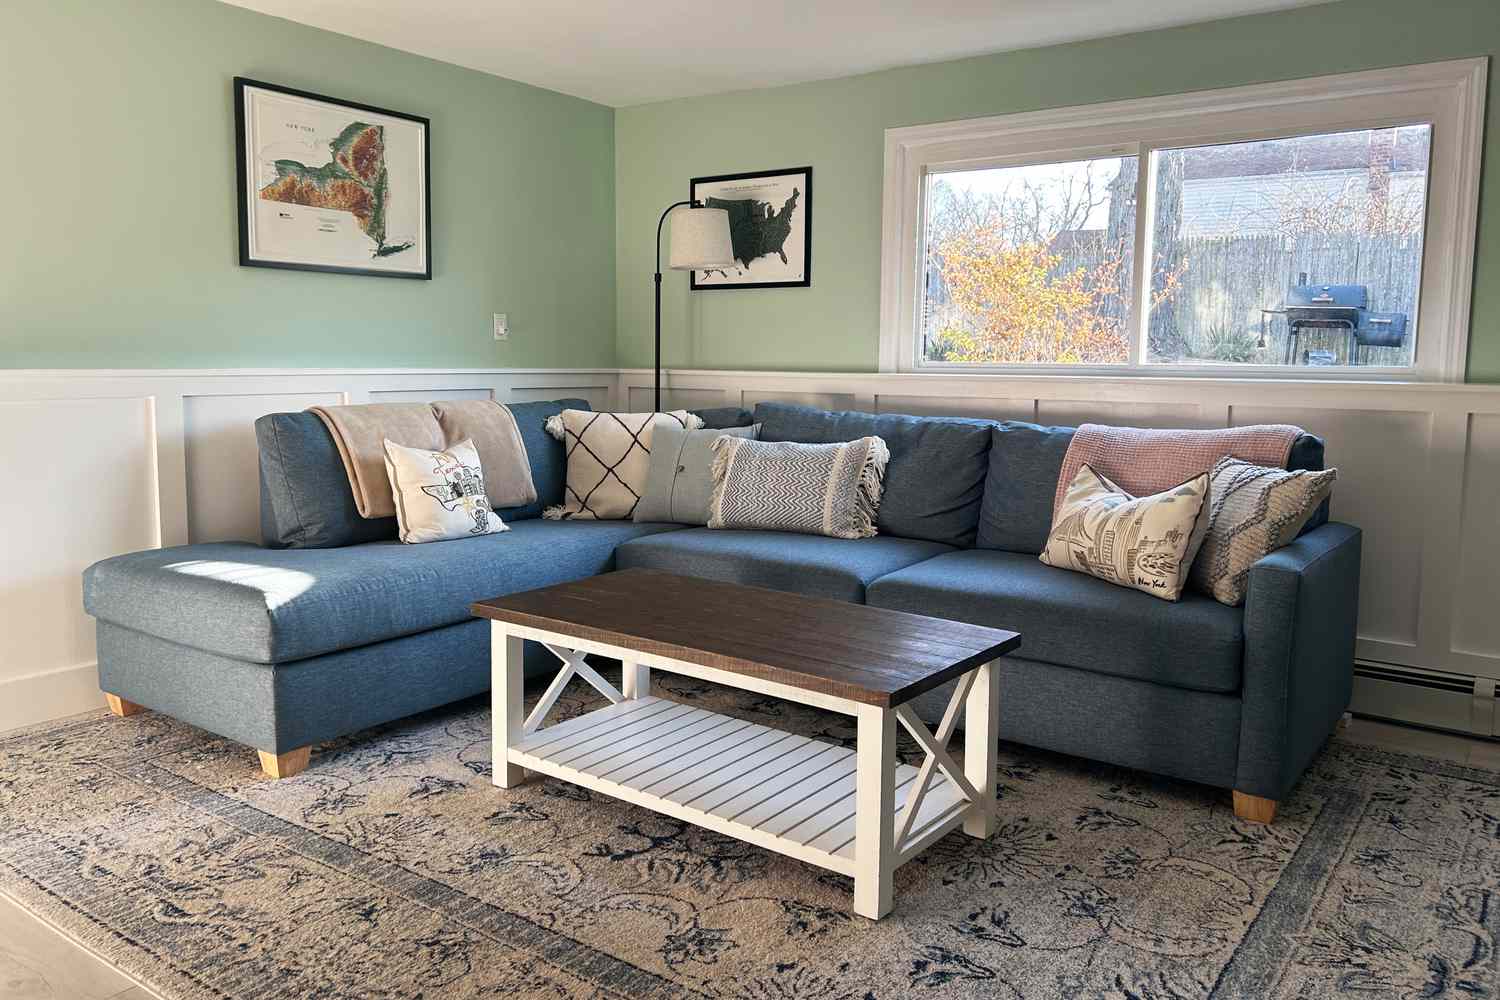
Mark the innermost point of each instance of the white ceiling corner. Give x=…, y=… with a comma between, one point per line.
x=621, y=54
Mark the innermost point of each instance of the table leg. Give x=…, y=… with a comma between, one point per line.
x=635, y=679
x=874, y=817
x=507, y=702
x=981, y=756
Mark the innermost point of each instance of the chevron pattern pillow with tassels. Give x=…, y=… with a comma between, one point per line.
x=815, y=489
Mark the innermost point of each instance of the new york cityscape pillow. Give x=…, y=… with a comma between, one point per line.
x=1147, y=543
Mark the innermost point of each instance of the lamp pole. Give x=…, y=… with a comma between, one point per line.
x=691, y=203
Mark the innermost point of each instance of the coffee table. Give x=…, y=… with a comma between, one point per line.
x=857, y=812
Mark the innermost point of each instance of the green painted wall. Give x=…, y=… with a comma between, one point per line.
x=837, y=126
x=118, y=243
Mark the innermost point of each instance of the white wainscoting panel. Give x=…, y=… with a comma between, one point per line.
x=1476, y=623
x=1132, y=413
x=992, y=408
x=427, y=395
x=638, y=399
x=218, y=446
x=80, y=481
x=1368, y=447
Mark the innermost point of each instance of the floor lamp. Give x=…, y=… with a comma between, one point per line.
x=700, y=240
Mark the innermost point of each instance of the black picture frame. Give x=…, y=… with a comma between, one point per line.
x=247, y=258
x=806, y=215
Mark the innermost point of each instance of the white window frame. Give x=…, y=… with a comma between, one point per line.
x=1449, y=95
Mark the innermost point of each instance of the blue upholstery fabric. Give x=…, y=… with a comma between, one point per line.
x=1025, y=460
x=935, y=479
x=1307, y=453
x=305, y=500
x=839, y=568
x=1300, y=615
x=276, y=605
x=718, y=417
x=280, y=707
x=1075, y=620
x=549, y=464
x=1192, y=735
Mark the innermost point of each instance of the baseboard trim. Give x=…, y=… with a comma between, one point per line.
x=49, y=694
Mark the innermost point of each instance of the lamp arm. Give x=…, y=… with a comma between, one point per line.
x=656, y=394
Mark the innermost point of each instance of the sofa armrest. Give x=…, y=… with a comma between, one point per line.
x=1300, y=615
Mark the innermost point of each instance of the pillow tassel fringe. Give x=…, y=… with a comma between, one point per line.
x=871, y=482
x=723, y=447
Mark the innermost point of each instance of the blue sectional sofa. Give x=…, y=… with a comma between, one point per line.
x=330, y=625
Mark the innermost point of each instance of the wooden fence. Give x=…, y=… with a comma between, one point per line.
x=1227, y=281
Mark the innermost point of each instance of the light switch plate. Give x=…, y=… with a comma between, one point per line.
x=502, y=327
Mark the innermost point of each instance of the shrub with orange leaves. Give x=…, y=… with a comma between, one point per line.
x=1013, y=303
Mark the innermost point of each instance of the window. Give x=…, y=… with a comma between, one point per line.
x=1318, y=228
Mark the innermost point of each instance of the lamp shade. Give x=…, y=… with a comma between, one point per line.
x=700, y=239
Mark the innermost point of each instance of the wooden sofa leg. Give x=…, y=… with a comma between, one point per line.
x=285, y=765
x=1253, y=808
x=120, y=706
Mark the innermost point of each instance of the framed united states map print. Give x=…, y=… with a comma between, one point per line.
x=329, y=185
x=770, y=226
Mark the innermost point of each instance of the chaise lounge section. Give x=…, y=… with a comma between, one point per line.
x=281, y=648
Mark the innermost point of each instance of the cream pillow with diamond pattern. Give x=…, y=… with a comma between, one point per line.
x=609, y=458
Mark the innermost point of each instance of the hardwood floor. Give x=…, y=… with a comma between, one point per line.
x=38, y=963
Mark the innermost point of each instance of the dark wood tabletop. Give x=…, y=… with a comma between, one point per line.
x=874, y=656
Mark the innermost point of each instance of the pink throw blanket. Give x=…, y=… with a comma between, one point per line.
x=1144, y=461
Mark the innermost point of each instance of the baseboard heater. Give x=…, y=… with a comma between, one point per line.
x=1459, y=703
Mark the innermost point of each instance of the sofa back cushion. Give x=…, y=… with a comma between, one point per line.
x=546, y=454
x=305, y=499
x=1024, y=463
x=934, y=481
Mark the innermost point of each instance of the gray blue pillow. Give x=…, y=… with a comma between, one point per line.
x=680, y=480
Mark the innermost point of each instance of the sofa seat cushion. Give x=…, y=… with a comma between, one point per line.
x=278, y=605
x=838, y=568
x=1074, y=620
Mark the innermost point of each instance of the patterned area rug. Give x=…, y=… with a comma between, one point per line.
x=394, y=869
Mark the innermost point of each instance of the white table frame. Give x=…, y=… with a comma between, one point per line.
x=859, y=812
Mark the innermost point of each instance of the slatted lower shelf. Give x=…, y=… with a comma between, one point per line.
x=775, y=789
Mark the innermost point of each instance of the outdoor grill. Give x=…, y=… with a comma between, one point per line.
x=1337, y=307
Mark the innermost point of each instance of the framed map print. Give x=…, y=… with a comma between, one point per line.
x=770, y=225
x=328, y=185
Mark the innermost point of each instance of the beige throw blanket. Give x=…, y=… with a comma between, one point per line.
x=360, y=433
x=1145, y=461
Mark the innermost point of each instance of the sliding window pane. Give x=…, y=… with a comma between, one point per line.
x=1303, y=251
x=1030, y=264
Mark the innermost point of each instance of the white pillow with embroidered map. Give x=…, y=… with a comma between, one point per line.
x=1147, y=543
x=439, y=494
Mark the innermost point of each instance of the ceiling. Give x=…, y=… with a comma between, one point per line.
x=622, y=53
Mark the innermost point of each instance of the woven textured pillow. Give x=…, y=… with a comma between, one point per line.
x=815, y=489
x=609, y=457
x=1253, y=511
x=1146, y=543
x=439, y=494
